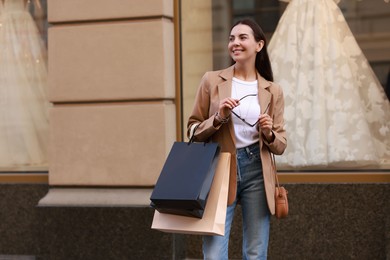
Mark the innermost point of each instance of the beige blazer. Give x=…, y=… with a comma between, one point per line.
x=217, y=85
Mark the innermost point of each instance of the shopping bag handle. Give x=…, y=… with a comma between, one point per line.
x=193, y=134
x=193, y=130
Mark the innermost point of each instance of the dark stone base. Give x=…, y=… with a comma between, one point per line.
x=326, y=221
x=78, y=233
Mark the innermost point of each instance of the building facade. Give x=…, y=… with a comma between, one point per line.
x=122, y=76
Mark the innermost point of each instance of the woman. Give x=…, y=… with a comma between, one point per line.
x=242, y=109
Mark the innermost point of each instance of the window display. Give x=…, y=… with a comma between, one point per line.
x=332, y=58
x=337, y=113
x=23, y=86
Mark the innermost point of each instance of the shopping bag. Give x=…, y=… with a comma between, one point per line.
x=185, y=180
x=213, y=221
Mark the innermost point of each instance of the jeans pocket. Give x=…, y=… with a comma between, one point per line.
x=255, y=155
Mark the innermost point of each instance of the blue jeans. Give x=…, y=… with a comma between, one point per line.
x=255, y=212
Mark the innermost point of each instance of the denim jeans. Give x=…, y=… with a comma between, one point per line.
x=255, y=212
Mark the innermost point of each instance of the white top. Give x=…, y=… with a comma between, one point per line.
x=249, y=110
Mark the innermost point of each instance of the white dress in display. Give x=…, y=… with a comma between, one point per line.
x=23, y=83
x=336, y=111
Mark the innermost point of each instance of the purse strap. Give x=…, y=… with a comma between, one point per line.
x=273, y=162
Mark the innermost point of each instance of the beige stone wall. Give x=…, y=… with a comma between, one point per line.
x=197, y=52
x=112, y=85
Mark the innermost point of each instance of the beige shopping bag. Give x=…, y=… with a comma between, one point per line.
x=213, y=220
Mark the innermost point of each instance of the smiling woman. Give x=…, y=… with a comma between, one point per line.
x=247, y=85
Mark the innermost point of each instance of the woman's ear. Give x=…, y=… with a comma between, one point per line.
x=260, y=46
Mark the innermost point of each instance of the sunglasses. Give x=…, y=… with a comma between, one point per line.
x=242, y=119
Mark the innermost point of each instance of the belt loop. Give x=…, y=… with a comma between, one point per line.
x=248, y=151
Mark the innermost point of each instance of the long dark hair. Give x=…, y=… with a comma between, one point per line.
x=262, y=64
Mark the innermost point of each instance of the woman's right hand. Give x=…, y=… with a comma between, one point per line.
x=226, y=105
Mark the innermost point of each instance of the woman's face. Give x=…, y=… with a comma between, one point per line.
x=242, y=44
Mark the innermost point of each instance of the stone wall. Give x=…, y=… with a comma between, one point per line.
x=326, y=221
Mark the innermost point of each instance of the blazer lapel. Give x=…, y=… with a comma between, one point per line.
x=264, y=94
x=225, y=88
x=264, y=98
x=225, y=91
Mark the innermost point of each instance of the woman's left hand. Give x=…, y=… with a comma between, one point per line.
x=265, y=125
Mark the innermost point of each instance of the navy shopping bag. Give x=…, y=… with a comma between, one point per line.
x=185, y=180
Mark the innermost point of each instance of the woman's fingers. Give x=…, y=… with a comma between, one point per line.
x=227, y=105
x=265, y=122
x=230, y=103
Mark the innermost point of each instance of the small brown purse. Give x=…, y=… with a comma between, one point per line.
x=281, y=201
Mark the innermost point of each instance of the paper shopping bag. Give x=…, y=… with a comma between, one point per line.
x=213, y=221
x=185, y=180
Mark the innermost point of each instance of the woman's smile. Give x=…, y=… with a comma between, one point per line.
x=237, y=51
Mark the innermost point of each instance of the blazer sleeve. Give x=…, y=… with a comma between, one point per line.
x=279, y=144
x=200, y=114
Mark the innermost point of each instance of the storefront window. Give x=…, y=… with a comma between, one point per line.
x=24, y=105
x=368, y=21
x=205, y=27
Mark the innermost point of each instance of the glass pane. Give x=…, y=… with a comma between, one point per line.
x=23, y=85
x=368, y=21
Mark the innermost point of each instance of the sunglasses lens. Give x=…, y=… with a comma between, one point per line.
x=242, y=119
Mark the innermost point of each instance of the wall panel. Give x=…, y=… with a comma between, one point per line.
x=121, y=144
x=85, y=10
x=111, y=61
